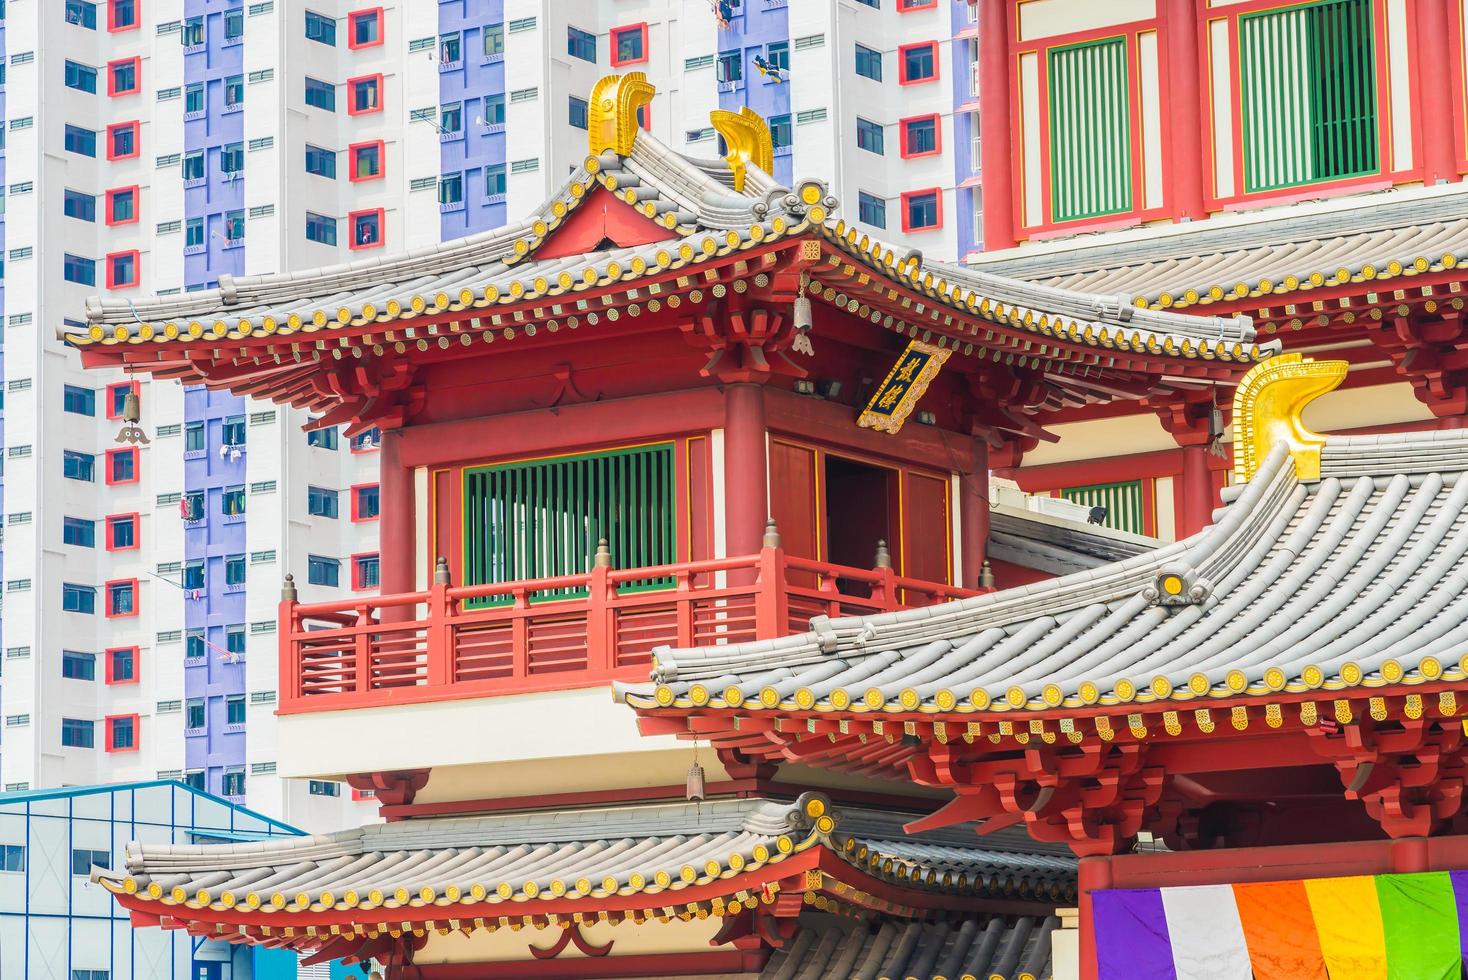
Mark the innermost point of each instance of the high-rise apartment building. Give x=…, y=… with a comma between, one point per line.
x=180, y=145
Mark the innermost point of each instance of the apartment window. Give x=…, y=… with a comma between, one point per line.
x=77, y=733
x=780, y=130
x=451, y=118
x=451, y=48
x=194, y=437
x=578, y=114
x=191, y=506
x=320, y=162
x=917, y=62
x=231, y=158
x=122, y=206
x=366, y=502
x=234, y=23
x=323, y=571
x=122, y=140
x=75, y=268
x=451, y=189
x=322, y=438
x=494, y=40
x=81, y=13
x=777, y=55
x=366, y=571
x=365, y=94
x=79, y=532
x=122, y=532
x=234, y=640
x=122, y=665
x=366, y=160
x=232, y=501
x=234, y=227
x=194, y=778
x=78, y=598
x=234, y=709
x=320, y=228
x=81, y=77
x=729, y=67
x=922, y=210
x=12, y=856
x=122, y=598
x=322, y=787
x=321, y=502
x=193, y=574
x=82, y=861
x=122, y=733
x=78, y=666
x=194, y=238
x=629, y=45
x=122, y=15
x=494, y=110
x=233, y=783
x=78, y=401
x=122, y=76
x=232, y=432
x=79, y=140
x=365, y=28
x=122, y=270
x=1090, y=146
x=78, y=466
x=920, y=136
x=194, y=714
x=321, y=94
x=366, y=228
x=494, y=181
x=320, y=28
x=195, y=648
x=234, y=91
x=75, y=204
x=581, y=44
x=907, y=6
x=234, y=569
x=868, y=63
x=191, y=34
x=122, y=465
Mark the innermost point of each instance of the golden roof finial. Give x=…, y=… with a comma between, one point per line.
x=748, y=137
x=1267, y=407
x=612, y=115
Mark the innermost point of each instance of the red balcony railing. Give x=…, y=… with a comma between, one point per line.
x=518, y=637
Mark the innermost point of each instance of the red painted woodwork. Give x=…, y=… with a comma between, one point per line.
x=926, y=528
x=996, y=108
x=397, y=526
x=431, y=646
x=973, y=512
x=746, y=507
x=795, y=499
x=711, y=963
x=1183, y=166
x=602, y=217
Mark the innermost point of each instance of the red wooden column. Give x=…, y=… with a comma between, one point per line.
x=1183, y=174
x=745, y=469
x=995, y=125
x=1435, y=92
x=1186, y=419
x=973, y=511
x=1092, y=874
x=398, y=525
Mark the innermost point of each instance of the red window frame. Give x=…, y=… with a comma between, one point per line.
x=107, y=733
x=909, y=6
x=136, y=386
x=937, y=192
x=352, y=160
x=357, y=585
x=137, y=536
x=113, y=193
x=359, y=795
x=137, y=63
x=616, y=32
x=112, y=27
x=114, y=283
x=352, y=445
x=107, y=598
x=352, y=217
x=112, y=678
x=902, y=78
x=356, y=516
x=351, y=83
x=644, y=116
x=137, y=465
x=136, y=127
x=937, y=135
x=376, y=14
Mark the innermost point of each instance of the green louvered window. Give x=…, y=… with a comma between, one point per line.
x=1123, y=503
x=1090, y=130
x=1309, y=94
x=543, y=518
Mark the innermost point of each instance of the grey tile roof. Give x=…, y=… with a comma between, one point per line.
x=1357, y=578
x=981, y=947
x=1057, y=547
x=1371, y=237
x=591, y=852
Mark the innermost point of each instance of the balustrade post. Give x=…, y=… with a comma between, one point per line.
x=289, y=667
x=772, y=598
x=884, y=592
x=600, y=614
x=440, y=632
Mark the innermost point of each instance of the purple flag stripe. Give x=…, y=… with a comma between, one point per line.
x=1131, y=935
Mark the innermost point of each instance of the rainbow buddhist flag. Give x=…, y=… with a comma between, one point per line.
x=1371, y=927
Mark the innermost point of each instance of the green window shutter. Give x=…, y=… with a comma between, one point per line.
x=1090, y=130
x=543, y=518
x=1123, y=503
x=1309, y=94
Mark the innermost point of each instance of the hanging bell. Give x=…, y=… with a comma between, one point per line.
x=802, y=316
x=695, y=783
x=1215, y=430
x=132, y=409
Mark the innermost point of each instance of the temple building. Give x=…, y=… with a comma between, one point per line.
x=686, y=409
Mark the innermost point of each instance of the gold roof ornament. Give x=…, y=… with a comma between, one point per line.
x=748, y=137
x=612, y=115
x=1267, y=409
